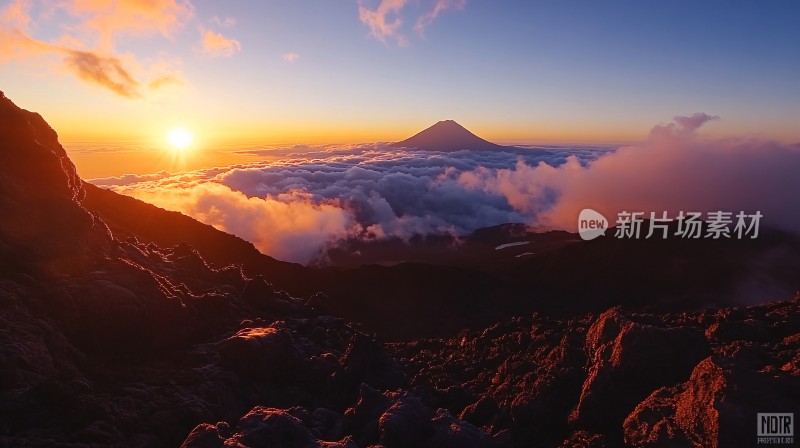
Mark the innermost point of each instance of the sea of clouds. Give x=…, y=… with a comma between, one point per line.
x=313, y=197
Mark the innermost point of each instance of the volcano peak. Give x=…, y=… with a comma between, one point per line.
x=447, y=135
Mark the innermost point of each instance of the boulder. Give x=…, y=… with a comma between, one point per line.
x=263, y=427
x=716, y=407
x=627, y=361
x=263, y=352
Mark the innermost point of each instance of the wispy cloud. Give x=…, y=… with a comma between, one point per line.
x=290, y=57
x=16, y=15
x=165, y=80
x=17, y=44
x=439, y=7
x=104, y=71
x=227, y=22
x=386, y=20
x=87, y=47
x=216, y=45
x=107, y=20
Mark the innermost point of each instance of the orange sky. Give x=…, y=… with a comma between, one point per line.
x=125, y=73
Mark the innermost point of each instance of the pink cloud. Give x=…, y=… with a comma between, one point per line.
x=289, y=226
x=674, y=170
x=87, y=46
x=16, y=15
x=215, y=45
x=386, y=22
x=439, y=7
x=107, y=19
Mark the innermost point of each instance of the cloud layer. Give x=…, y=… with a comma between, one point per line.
x=313, y=197
x=674, y=170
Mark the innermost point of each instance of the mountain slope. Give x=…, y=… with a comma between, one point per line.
x=127, y=216
x=447, y=135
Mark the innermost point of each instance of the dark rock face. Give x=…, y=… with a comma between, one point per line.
x=109, y=341
x=265, y=427
x=644, y=380
x=391, y=420
x=41, y=222
x=716, y=406
x=30, y=150
x=681, y=416
x=627, y=361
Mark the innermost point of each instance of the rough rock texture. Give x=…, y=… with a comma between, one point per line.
x=42, y=225
x=627, y=361
x=751, y=372
x=263, y=427
x=644, y=380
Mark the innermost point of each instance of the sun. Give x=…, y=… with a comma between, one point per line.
x=180, y=138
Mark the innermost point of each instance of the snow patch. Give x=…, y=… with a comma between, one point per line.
x=507, y=245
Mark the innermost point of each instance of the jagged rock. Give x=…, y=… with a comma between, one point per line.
x=747, y=330
x=716, y=407
x=326, y=424
x=627, y=361
x=204, y=436
x=452, y=432
x=30, y=150
x=480, y=413
x=42, y=225
x=261, y=295
x=406, y=424
x=265, y=352
x=362, y=419
x=401, y=419
x=366, y=361
x=584, y=439
x=263, y=427
x=685, y=415
x=257, y=289
x=548, y=396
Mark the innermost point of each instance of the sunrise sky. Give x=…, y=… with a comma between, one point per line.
x=124, y=73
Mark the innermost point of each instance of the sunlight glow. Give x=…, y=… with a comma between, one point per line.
x=180, y=138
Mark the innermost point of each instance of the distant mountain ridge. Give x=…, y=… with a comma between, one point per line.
x=448, y=135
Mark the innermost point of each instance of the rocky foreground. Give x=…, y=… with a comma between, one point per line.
x=117, y=342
